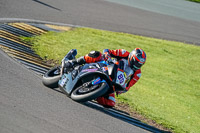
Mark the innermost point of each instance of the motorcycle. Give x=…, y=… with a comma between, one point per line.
x=86, y=82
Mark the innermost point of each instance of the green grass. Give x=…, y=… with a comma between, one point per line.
x=198, y=1
x=169, y=89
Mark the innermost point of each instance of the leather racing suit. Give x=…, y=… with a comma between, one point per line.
x=119, y=54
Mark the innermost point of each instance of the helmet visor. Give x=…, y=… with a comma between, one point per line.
x=137, y=65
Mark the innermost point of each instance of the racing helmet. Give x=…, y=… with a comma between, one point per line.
x=136, y=58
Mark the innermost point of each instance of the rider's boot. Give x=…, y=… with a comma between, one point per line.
x=107, y=101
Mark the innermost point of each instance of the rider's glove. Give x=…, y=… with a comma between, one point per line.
x=68, y=64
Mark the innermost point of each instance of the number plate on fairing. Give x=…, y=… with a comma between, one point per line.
x=64, y=81
x=67, y=83
x=121, y=78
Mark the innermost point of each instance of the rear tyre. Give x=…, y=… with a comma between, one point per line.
x=85, y=93
x=51, y=78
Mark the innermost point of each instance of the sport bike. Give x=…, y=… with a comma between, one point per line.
x=86, y=82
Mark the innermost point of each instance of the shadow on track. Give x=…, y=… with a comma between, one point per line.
x=124, y=117
x=121, y=115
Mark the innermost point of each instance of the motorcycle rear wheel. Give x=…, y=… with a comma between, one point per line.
x=51, y=78
x=81, y=94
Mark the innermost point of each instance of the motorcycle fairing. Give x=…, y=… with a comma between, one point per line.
x=121, y=78
x=70, y=81
x=93, y=72
x=67, y=83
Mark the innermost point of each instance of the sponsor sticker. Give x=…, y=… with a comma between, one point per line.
x=90, y=70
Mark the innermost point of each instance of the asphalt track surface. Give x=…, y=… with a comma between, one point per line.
x=27, y=106
x=105, y=15
x=178, y=8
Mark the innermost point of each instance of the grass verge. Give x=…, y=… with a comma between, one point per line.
x=168, y=91
x=198, y=1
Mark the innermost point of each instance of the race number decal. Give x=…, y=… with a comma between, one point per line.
x=120, y=78
x=64, y=81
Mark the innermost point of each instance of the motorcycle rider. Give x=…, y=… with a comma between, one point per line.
x=131, y=63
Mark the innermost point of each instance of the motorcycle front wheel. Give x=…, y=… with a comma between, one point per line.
x=86, y=93
x=51, y=78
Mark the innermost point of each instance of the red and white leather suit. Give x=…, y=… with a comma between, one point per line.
x=121, y=54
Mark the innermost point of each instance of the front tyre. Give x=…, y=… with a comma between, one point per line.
x=85, y=93
x=51, y=78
